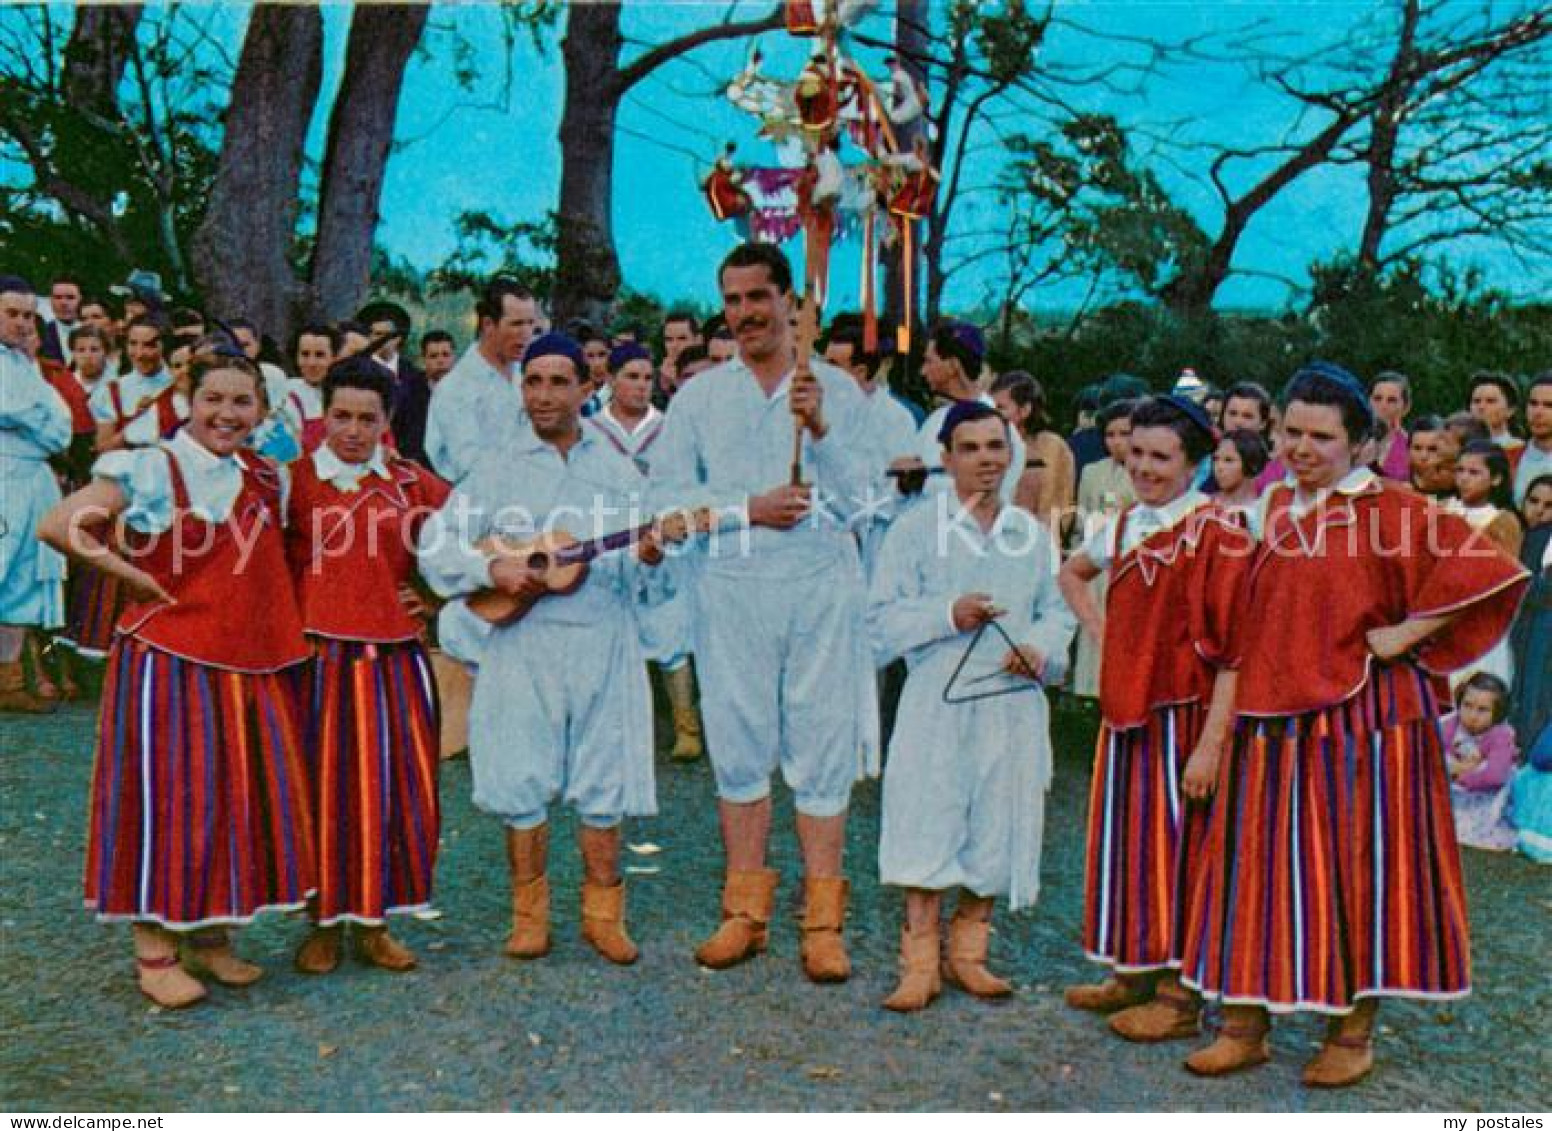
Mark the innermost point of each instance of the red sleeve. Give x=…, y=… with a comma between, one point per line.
x=299, y=520
x=427, y=493
x=1448, y=569
x=1218, y=592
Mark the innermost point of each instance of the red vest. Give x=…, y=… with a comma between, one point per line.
x=167, y=419
x=70, y=391
x=1320, y=581
x=351, y=551
x=234, y=605
x=1170, y=614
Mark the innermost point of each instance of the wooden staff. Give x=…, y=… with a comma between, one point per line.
x=808, y=332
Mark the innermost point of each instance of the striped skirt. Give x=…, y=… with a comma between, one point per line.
x=1144, y=842
x=199, y=811
x=1332, y=872
x=372, y=749
x=93, y=600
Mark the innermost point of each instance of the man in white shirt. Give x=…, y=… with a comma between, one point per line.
x=1536, y=459
x=478, y=404
x=34, y=424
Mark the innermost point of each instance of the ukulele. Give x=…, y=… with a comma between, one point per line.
x=561, y=561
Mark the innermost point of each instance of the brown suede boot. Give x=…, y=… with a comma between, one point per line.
x=920, y=981
x=746, y=914
x=603, y=922
x=965, y=963
x=528, y=855
x=166, y=983
x=530, y=937
x=1174, y=1012
x=376, y=947
x=1347, y=1055
x=320, y=953
x=1242, y=1043
x=15, y=697
x=1118, y=992
x=211, y=953
x=680, y=685
x=824, y=950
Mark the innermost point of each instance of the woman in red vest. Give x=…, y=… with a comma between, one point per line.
x=1332, y=877
x=356, y=509
x=1177, y=562
x=199, y=815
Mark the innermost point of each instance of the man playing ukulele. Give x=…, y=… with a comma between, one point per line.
x=562, y=708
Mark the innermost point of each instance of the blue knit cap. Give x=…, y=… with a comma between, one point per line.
x=625, y=353
x=556, y=344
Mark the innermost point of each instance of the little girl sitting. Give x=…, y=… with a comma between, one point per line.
x=1480, y=752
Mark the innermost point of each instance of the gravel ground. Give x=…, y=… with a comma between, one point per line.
x=473, y=1030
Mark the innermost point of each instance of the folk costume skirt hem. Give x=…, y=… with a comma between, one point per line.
x=373, y=756
x=1331, y=871
x=199, y=810
x=1145, y=840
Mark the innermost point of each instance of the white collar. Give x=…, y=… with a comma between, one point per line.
x=204, y=459
x=347, y=476
x=1165, y=517
x=964, y=517
x=1355, y=482
x=651, y=417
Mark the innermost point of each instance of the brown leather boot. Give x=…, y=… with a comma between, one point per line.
x=603, y=922
x=824, y=950
x=746, y=914
x=530, y=937
x=320, y=953
x=680, y=685
x=376, y=947
x=1173, y=1013
x=920, y=981
x=965, y=963
x=528, y=854
x=1347, y=1055
x=15, y=697
x=1120, y=992
x=211, y=953
x=166, y=983
x=1242, y=1043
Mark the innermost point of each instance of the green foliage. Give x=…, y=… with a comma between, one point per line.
x=490, y=245
x=1433, y=325
x=1007, y=37
x=1105, y=215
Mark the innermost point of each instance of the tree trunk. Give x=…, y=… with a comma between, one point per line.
x=1384, y=132
x=382, y=38
x=587, y=270
x=96, y=55
x=241, y=248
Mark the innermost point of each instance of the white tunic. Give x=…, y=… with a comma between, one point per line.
x=34, y=424
x=778, y=630
x=561, y=707
x=965, y=783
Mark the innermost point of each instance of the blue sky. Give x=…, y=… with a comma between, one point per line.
x=496, y=149
x=507, y=160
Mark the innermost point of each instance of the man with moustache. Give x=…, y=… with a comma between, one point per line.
x=778, y=604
